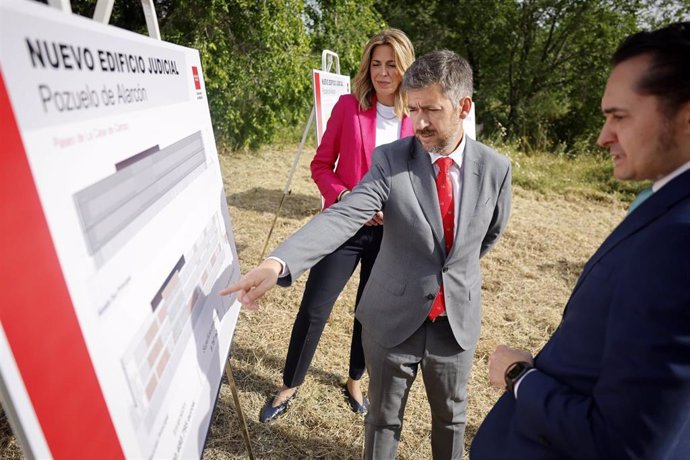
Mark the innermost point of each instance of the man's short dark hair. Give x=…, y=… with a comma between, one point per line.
x=444, y=67
x=668, y=77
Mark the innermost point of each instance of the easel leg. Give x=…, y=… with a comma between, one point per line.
x=238, y=407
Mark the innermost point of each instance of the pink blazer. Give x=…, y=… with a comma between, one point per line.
x=349, y=140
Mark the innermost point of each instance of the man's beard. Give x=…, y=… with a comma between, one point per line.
x=442, y=143
x=666, y=143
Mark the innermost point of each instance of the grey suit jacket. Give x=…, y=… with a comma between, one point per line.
x=412, y=264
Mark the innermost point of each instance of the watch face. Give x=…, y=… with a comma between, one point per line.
x=515, y=370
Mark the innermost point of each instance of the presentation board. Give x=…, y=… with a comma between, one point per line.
x=328, y=87
x=115, y=241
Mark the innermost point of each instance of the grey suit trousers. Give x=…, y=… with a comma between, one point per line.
x=445, y=368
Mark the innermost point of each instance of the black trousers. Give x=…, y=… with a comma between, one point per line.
x=326, y=280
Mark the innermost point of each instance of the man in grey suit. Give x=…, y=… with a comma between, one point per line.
x=421, y=306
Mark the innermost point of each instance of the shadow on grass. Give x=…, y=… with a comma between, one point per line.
x=259, y=384
x=568, y=270
x=259, y=199
x=277, y=439
x=271, y=440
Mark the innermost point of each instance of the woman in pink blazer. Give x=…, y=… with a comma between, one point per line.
x=375, y=114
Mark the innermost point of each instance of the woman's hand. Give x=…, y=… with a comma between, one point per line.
x=376, y=220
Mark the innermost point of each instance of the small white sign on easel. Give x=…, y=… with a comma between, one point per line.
x=328, y=87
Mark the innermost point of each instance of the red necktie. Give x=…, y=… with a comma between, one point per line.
x=444, y=188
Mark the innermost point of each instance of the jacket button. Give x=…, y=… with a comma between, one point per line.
x=445, y=269
x=430, y=296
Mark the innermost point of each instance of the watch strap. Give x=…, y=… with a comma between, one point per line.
x=515, y=372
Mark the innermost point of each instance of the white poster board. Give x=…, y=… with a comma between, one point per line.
x=328, y=87
x=115, y=241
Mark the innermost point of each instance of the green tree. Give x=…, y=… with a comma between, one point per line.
x=344, y=27
x=255, y=57
x=557, y=65
x=540, y=65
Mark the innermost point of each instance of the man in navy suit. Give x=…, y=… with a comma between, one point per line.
x=613, y=382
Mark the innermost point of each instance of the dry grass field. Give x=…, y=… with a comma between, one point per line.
x=526, y=281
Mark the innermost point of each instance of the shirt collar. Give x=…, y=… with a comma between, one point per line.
x=456, y=155
x=665, y=180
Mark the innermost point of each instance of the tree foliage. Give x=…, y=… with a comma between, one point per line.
x=540, y=65
x=343, y=26
x=255, y=57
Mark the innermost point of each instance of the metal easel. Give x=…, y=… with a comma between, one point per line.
x=328, y=58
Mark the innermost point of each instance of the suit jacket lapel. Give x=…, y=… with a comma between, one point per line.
x=367, y=127
x=656, y=205
x=422, y=177
x=472, y=177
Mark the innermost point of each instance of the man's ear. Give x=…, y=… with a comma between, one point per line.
x=464, y=107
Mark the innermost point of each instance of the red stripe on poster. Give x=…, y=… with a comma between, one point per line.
x=317, y=93
x=39, y=319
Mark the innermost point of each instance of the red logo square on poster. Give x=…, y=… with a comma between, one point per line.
x=195, y=72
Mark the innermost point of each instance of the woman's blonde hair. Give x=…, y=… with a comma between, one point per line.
x=363, y=88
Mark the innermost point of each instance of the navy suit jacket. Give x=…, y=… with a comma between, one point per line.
x=613, y=382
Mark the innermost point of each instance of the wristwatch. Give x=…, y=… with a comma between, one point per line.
x=515, y=372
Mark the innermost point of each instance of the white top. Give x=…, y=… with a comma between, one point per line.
x=387, y=125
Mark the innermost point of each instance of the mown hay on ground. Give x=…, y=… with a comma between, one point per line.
x=526, y=281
